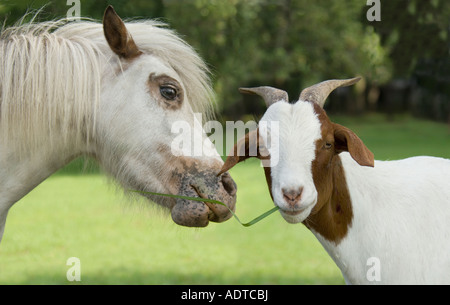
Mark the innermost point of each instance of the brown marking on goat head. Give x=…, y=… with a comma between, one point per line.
x=251, y=145
x=332, y=215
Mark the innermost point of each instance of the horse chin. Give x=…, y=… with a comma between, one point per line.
x=191, y=213
x=198, y=214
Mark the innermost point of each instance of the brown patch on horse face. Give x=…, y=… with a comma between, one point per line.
x=332, y=215
x=194, y=178
x=157, y=83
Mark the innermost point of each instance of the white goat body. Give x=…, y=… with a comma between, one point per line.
x=401, y=217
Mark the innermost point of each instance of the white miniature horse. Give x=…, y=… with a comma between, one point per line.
x=66, y=91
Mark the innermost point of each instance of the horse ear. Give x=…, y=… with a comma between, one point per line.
x=117, y=35
x=347, y=140
x=245, y=148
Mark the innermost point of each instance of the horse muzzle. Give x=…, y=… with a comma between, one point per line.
x=205, y=185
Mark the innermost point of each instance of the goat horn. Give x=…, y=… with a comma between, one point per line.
x=318, y=93
x=269, y=94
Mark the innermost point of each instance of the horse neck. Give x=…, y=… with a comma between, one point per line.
x=20, y=173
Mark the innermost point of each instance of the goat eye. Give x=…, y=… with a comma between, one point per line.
x=328, y=145
x=168, y=92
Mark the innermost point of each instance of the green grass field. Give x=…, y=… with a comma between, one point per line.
x=118, y=242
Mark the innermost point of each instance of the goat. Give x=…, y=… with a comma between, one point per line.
x=382, y=222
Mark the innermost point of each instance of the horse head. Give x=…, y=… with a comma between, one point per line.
x=143, y=95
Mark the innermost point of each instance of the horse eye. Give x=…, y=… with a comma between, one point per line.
x=168, y=92
x=327, y=145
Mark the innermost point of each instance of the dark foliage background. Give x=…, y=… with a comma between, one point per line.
x=290, y=44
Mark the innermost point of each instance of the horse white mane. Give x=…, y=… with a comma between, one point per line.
x=50, y=76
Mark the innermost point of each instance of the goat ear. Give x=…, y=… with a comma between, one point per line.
x=117, y=35
x=347, y=140
x=245, y=148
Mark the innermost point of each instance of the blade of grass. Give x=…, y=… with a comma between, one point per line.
x=248, y=224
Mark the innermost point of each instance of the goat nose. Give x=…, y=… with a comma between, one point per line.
x=292, y=195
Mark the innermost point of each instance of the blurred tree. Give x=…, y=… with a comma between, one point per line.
x=414, y=30
x=416, y=35
x=12, y=10
x=284, y=43
x=291, y=44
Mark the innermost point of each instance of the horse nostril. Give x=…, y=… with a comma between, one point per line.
x=228, y=184
x=292, y=196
